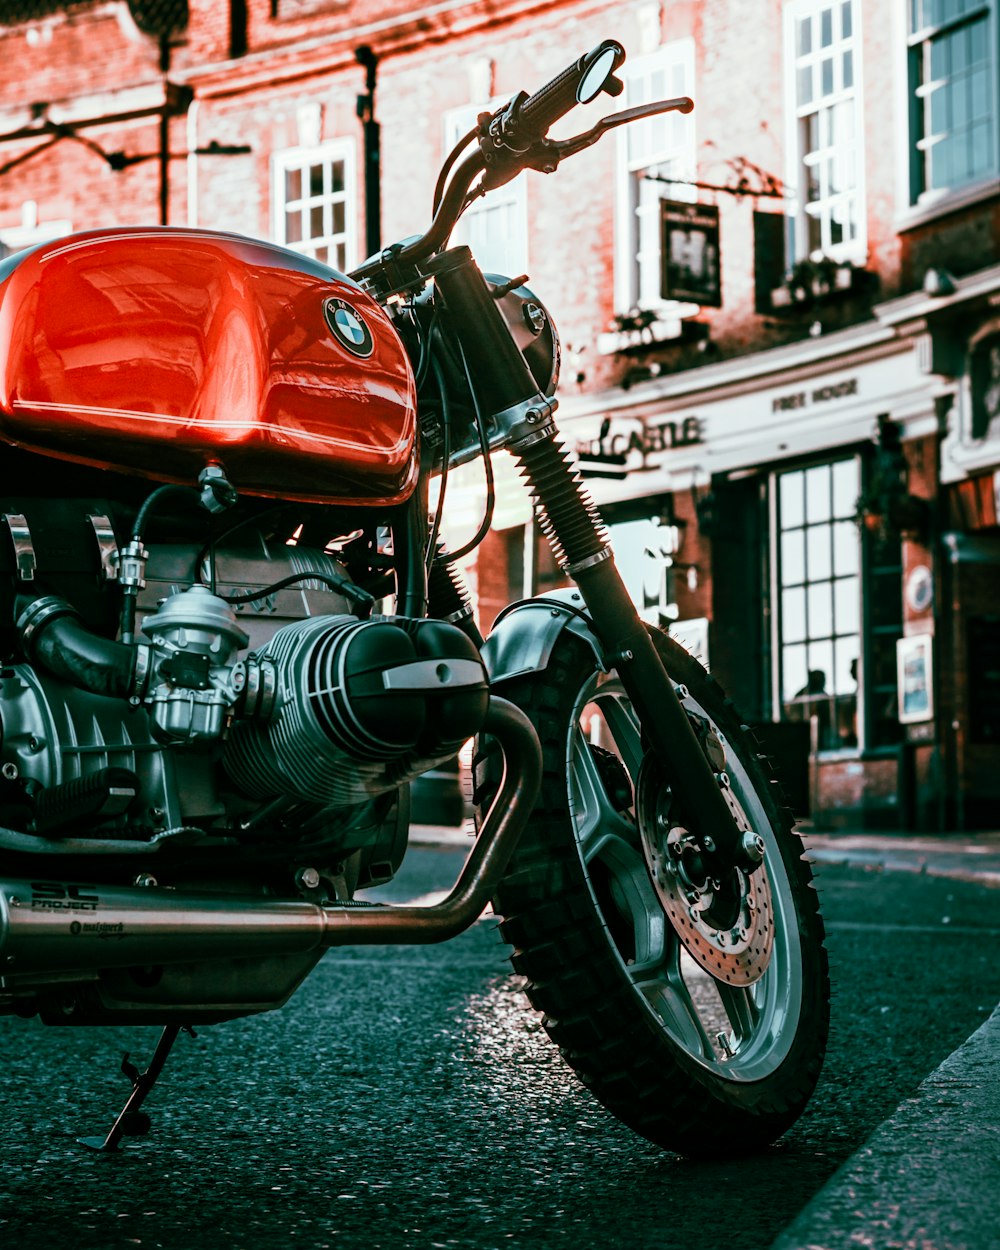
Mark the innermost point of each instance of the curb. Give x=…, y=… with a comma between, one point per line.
x=929, y=1176
x=960, y=858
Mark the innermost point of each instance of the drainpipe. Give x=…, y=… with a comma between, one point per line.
x=372, y=151
x=164, y=153
x=192, y=164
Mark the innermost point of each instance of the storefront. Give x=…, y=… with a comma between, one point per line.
x=819, y=523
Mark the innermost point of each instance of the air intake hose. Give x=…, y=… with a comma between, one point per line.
x=52, y=636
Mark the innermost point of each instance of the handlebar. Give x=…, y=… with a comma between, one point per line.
x=510, y=140
x=528, y=119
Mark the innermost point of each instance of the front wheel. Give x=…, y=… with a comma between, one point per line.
x=696, y=1010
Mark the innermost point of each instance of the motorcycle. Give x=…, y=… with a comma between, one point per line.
x=232, y=638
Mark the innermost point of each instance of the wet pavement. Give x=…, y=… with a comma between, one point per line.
x=409, y=1097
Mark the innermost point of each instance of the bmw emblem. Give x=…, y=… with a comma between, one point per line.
x=348, y=327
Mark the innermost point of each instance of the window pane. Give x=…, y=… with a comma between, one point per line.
x=794, y=671
x=826, y=28
x=826, y=76
x=940, y=59
x=793, y=558
x=845, y=673
x=848, y=61
x=819, y=562
x=846, y=24
x=337, y=177
x=845, y=488
x=820, y=604
x=818, y=494
x=293, y=226
x=793, y=615
x=790, y=487
x=339, y=217
x=847, y=606
x=316, y=180
x=293, y=184
x=804, y=35
x=846, y=548
x=316, y=230
x=820, y=662
x=805, y=84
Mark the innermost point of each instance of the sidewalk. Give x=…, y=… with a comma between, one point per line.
x=964, y=856
x=929, y=1177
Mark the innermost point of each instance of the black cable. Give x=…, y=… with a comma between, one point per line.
x=209, y=548
x=445, y=457
x=341, y=584
x=484, y=445
x=446, y=168
x=426, y=349
x=152, y=500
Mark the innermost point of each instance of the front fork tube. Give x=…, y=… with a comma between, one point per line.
x=573, y=528
x=629, y=647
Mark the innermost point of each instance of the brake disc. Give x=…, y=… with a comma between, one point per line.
x=726, y=925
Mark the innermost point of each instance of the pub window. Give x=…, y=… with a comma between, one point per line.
x=818, y=599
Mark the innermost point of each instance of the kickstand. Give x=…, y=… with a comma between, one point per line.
x=131, y=1121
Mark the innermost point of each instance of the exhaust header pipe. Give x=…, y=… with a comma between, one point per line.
x=61, y=927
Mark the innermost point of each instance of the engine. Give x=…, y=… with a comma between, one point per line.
x=289, y=712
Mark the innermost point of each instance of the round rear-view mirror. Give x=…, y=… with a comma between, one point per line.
x=596, y=75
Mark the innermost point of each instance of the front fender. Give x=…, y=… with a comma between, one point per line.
x=522, y=640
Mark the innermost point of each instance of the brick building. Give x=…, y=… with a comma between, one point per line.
x=780, y=314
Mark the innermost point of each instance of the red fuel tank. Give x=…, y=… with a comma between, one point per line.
x=153, y=351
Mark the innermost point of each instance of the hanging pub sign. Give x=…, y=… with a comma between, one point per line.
x=690, y=269
x=984, y=367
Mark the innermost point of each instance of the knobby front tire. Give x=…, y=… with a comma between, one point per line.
x=695, y=1064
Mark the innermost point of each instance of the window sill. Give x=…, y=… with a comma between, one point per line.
x=667, y=328
x=950, y=202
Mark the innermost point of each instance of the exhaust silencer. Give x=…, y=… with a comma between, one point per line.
x=61, y=927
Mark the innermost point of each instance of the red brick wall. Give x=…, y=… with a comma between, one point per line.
x=59, y=57
x=307, y=53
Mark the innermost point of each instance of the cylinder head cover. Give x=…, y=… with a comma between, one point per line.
x=357, y=701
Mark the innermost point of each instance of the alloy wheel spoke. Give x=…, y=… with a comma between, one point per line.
x=741, y=1008
x=597, y=817
x=624, y=729
x=666, y=993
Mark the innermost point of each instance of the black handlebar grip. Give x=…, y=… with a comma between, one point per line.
x=557, y=97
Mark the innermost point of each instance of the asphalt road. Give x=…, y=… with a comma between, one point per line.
x=409, y=1097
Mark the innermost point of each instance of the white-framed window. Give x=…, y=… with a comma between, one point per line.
x=952, y=68
x=315, y=202
x=826, y=130
x=495, y=226
x=816, y=614
x=651, y=155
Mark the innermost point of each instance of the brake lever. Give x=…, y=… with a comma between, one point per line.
x=570, y=147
